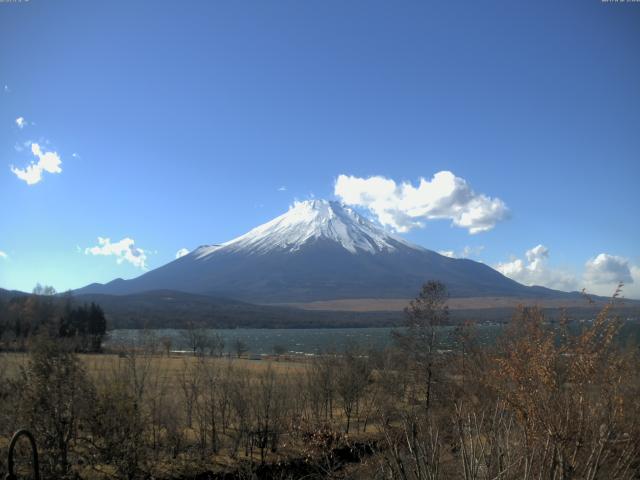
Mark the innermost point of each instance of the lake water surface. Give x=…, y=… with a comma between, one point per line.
x=314, y=340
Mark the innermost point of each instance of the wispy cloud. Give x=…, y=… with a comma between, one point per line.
x=402, y=206
x=21, y=122
x=182, y=252
x=47, y=162
x=283, y=188
x=469, y=251
x=124, y=251
x=3, y=255
x=21, y=147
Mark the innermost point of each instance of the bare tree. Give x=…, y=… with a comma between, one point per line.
x=240, y=347
x=566, y=393
x=166, y=345
x=321, y=385
x=56, y=397
x=215, y=344
x=352, y=377
x=279, y=350
x=195, y=338
x=269, y=411
x=423, y=315
x=188, y=381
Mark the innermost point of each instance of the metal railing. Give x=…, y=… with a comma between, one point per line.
x=34, y=455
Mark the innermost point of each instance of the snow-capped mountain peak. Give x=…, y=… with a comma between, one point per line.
x=308, y=221
x=318, y=250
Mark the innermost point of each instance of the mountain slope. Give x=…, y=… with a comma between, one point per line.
x=172, y=309
x=319, y=250
x=9, y=294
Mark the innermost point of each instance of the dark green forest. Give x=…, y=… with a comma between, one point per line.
x=24, y=317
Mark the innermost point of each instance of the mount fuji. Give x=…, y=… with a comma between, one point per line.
x=319, y=250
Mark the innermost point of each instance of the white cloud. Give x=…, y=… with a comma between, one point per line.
x=282, y=189
x=403, y=206
x=632, y=289
x=21, y=122
x=604, y=272
x=124, y=250
x=534, y=270
x=3, y=255
x=447, y=253
x=601, y=274
x=607, y=269
x=182, y=252
x=47, y=162
x=75, y=155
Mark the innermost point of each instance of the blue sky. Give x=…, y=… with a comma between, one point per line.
x=177, y=124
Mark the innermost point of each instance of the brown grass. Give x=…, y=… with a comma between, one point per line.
x=97, y=364
x=469, y=303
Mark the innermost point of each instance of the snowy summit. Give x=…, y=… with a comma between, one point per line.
x=309, y=221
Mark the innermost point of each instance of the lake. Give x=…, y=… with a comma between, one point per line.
x=315, y=340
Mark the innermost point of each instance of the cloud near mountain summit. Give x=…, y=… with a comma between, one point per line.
x=403, y=206
x=124, y=251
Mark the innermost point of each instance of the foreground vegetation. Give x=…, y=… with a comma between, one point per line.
x=543, y=403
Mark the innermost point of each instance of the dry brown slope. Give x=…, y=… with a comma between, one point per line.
x=470, y=303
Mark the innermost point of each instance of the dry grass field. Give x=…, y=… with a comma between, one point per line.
x=99, y=365
x=507, y=412
x=179, y=396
